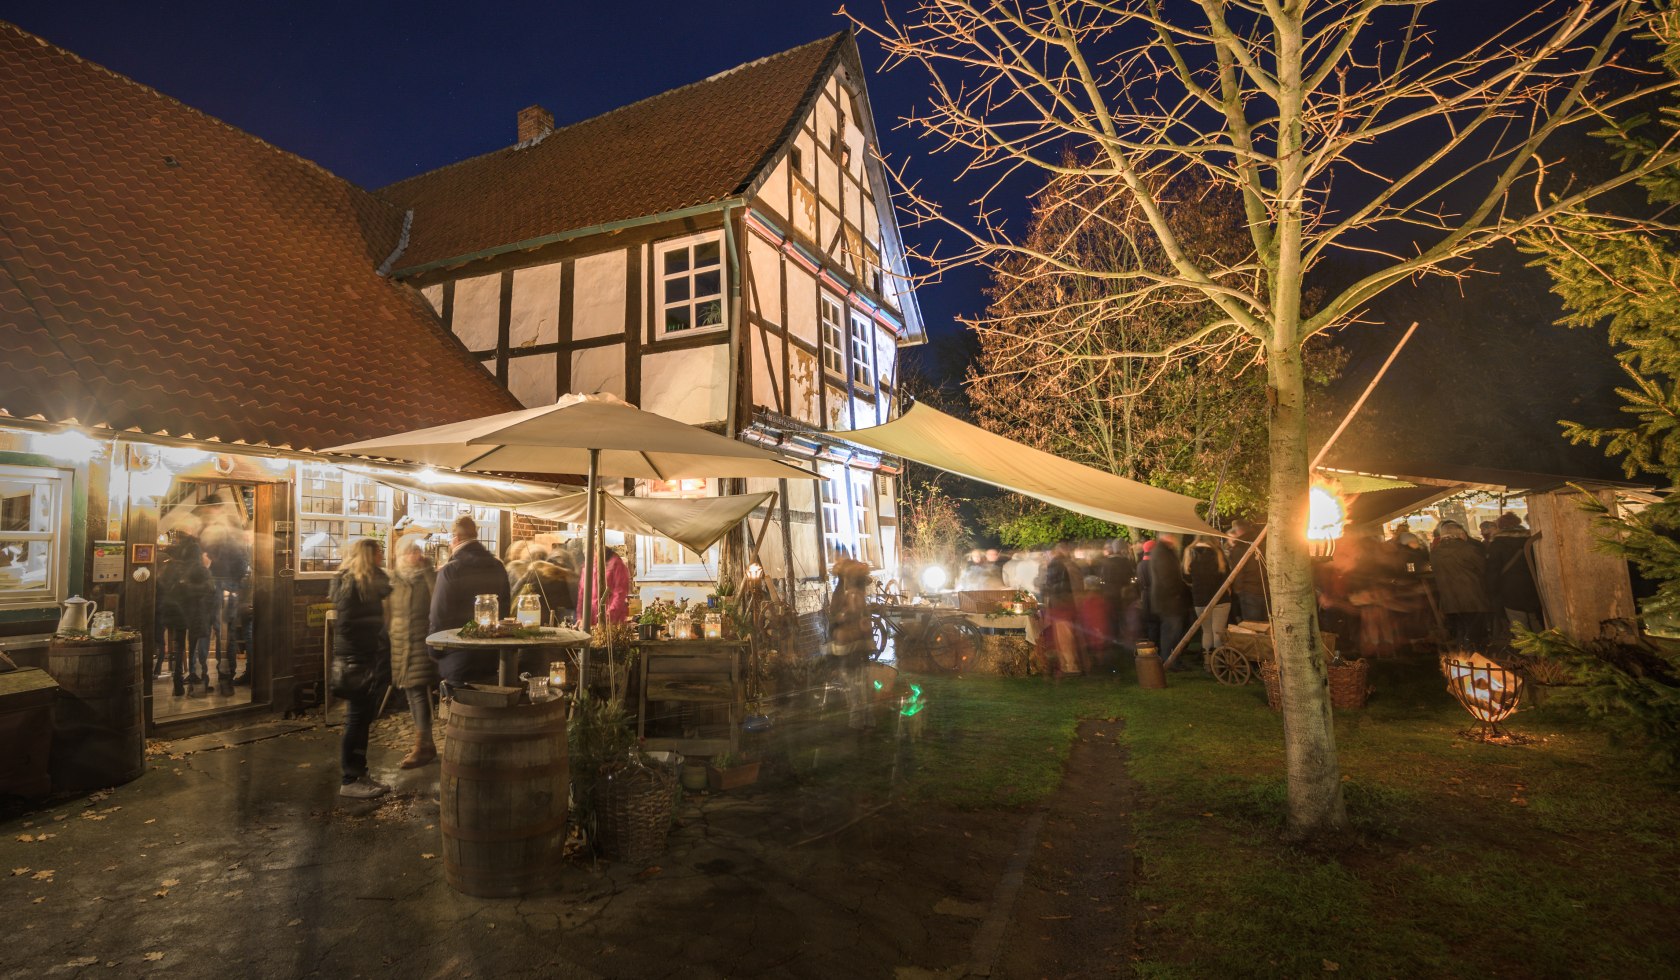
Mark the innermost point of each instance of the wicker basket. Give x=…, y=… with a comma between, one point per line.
x=633, y=812
x=1349, y=684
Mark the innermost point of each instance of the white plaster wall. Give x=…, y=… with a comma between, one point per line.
x=886, y=356
x=888, y=504
x=766, y=264
x=478, y=311
x=774, y=193
x=802, y=303
x=863, y=413
x=872, y=226
x=803, y=380
x=687, y=385
x=804, y=211
x=434, y=296
x=828, y=225
x=535, y=314
x=767, y=370
x=531, y=379
x=838, y=404
x=598, y=296
x=599, y=369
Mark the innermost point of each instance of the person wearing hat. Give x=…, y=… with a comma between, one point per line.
x=1510, y=573
x=1459, y=564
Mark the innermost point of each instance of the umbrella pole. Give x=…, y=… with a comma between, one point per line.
x=590, y=566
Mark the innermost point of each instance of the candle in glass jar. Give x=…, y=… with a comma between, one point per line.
x=714, y=626
x=527, y=609
x=487, y=609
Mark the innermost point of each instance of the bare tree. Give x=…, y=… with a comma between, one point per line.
x=1348, y=130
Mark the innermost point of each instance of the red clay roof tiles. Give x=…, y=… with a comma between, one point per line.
x=163, y=271
x=693, y=145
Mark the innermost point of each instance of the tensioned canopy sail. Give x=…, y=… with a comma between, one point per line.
x=697, y=523
x=932, y=438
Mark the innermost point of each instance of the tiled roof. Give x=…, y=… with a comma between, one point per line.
x=165, y=272
x=690, y=146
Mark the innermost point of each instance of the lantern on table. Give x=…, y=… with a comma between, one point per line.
x=714, y=626
x=527, y=608
x=557, y=675
x=487, y=609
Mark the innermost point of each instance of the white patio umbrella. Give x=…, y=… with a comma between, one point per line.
x=595, y=435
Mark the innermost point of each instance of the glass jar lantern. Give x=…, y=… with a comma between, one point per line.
x=527, y=608
x=487, y=609
x=714, y=626
x=557, y=675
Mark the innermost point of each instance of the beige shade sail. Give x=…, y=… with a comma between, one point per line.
x=466, y=488
x=558, y=439
x=932, y=438
x=697, y=523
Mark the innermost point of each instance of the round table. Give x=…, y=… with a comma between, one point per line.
x=509, y=648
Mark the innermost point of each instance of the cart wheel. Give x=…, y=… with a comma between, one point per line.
x=880, y=631
x=1229, y=666
x=951, y=644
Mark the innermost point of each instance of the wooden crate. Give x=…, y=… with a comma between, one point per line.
x=26, y=730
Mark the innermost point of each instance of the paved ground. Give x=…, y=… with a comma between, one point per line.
x=242, y=861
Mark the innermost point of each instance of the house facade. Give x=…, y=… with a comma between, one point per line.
x=725, y=254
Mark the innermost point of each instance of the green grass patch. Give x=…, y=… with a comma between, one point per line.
x=1555, y=858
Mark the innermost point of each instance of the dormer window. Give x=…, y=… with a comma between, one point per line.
x=688, y=290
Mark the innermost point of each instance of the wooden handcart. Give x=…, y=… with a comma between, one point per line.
x=1243, y=647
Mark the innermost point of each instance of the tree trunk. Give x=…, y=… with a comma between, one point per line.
x=1315, y=789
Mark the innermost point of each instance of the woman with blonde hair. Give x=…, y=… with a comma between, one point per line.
x=412, y=668
x=361, y=660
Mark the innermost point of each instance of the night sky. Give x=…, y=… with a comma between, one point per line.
x=378, y=92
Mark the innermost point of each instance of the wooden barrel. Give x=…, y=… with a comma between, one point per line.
x=99, y=736
x=504, y=786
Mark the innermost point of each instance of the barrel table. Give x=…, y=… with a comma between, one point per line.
x=99, y=735
x=503, y=802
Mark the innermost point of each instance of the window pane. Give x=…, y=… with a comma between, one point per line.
x=708, y=284
x=24, y=565
x=323, y=490
x=25, y=505
x=677, y=319
x=676, y=260
x=676, y=290
x=711, y=313
x=706, y=254
x=321, y=545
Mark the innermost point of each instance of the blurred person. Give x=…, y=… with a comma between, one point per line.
x=1059, y=643
x=1250, y=585
x=361, y=660
x=1509, y=576
x=1096, y=626
x=1169, y=594
x=971, y=578
x=1118, y=573
x=229, y=548
x=1488, y=529
x=617, y=590
x=183, y=609
x=1460, y=566
x=471, y=571
x=851, y=640
x=1149, y=624
x=412, y=669
x=1205, y=568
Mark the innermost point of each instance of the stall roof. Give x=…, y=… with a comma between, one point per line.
x=932, y=438
x=697, y=523
x=164, y=273
x=1480, y=477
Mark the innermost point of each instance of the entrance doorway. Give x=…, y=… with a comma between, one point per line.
x=205, y=617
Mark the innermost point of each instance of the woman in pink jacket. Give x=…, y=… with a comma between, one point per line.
x=618, y=589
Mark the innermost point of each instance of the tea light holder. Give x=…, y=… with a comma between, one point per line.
x=714, y=626
x=487, y=609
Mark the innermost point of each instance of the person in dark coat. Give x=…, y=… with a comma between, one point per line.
x=1510, y=577
x=471, y=571
x=1169, y=594
x=1204, y=566
x=1059, y=643
x=1119, y=573
x=1460, y=566
x=413, y=671
x=185, y=596
x=362, y=643
x=1250, y=586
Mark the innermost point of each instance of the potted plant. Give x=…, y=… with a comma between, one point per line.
x=648, y=623
x=621, y=802
x=730, y=771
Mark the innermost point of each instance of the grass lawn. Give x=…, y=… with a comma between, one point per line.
x=1558, y=858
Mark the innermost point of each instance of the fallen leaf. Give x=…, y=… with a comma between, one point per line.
x=1207, y=814
x=153, y=957
x=153, y=820
x=295, y=922
x=19, y=871
x=427, y=857
x=43, y=875
x=161, y=893
x=305, y=765
x=170, y=882
x=1331, y=966
x=109, y=867
x=26, y=838
x=81, y=961
x=650, y=871
x=38, y=901
x=60, y=816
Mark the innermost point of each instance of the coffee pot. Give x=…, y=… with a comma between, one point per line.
x=78, y=612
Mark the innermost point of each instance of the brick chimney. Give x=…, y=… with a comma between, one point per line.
x=534, y=122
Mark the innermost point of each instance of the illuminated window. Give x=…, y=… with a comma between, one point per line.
x=659, y=558
x=833, y=335
x=434, y=515
x=837, y=527
x=689, y=285
x=334, y=509
x=863, y=349
x=33, y=532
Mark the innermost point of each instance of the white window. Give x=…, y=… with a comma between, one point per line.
x=659, y=558
x=863, y=486
x=833, y=335
x=689, y=287
x=34, y=531
x=334, y=509
x=837, y=528
x=434, y=515
x=863, y=349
